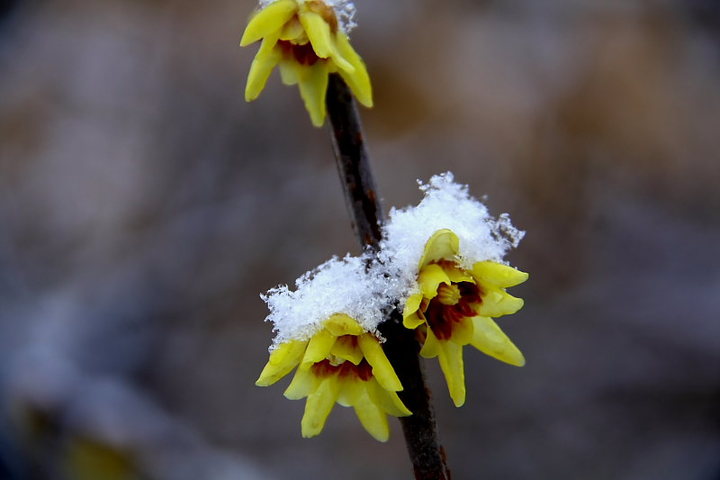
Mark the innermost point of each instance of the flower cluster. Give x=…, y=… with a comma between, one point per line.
x=307, y=41
x=442, y=262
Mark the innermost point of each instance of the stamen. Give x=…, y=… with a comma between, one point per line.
x=448, y=294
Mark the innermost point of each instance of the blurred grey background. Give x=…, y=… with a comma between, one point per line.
x=144, y=206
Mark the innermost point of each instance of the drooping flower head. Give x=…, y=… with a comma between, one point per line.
x=307, y=40
x=454, y=308
x=341, y=363
x=448, y=253
x=339, y=359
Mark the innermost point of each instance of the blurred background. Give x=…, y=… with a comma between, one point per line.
x=144, y=206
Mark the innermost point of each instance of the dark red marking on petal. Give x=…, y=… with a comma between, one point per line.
x=303, y=54
x=325, y=369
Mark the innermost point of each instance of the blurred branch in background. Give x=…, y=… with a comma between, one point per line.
x=143, y=206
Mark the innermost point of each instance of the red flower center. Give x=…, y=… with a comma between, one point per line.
x=303, y=54
x=442, y=317
x=325, y=369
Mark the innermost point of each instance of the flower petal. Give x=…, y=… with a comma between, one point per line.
x=319, y=347
x=303, y=384
x=462, y=332
x=262, y=66
x=346, y=347
x=431, y=347
x=497, y=274
x=358, y=80
x=457, y=274
x=413, y=321
x=340, y=324
x=269, y=20
x=430, y=278
x=496, y=303
x=388, y=401
x=351, y=389
x=381, y=368
x=412, y=304
x=318, y=406
x=313, y=87
x=282, y=360
x=372, y=417
x=294, y=31
x=491, y=340
x=443, y=244
x=322, y=39
x=289, y=72
x=451, y=363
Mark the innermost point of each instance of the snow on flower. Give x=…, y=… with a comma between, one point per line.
x=441, y=263
x=307, y=40
x=447, y=255
x=327, y=329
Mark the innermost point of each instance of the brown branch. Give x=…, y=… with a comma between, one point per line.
x=401, y=347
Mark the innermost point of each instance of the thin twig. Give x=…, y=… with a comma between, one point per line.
x=401, y=347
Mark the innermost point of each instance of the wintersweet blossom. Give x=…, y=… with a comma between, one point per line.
x=342, y=363
x=306, y=40
x=455, y=307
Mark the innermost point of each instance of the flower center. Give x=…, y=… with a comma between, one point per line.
x=303, y=54
x=451, y=306
x=344, y=369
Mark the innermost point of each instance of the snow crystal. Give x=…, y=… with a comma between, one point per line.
x=344, y=11
x=446, y=205
x=337, y=286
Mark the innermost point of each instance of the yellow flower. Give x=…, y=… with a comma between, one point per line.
x=304, y=38
x=454, y=308
x=341, y=363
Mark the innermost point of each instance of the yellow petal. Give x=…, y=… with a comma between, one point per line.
x=431, y=347
x=413, y=321
x=347, y=348
x=303, y=384
x=294, y=31
x=443, y=244
x=313, y=84
x=412, y=304
x=457, y=274
x=322, y=40
x=359, y=80
x=451, y=363
x=496, y=303
x=351, y=389
x=462, y=332
x=341, y=324
x=372, y=417
x=489, y=339
x=268, y=21
x=282, y=360
x=319, y=347
x=318, y=406
x=262, y=66
x=430, y=278
x=388, y=401
x=498, y=274
x=289, y=72
x=381, y=368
